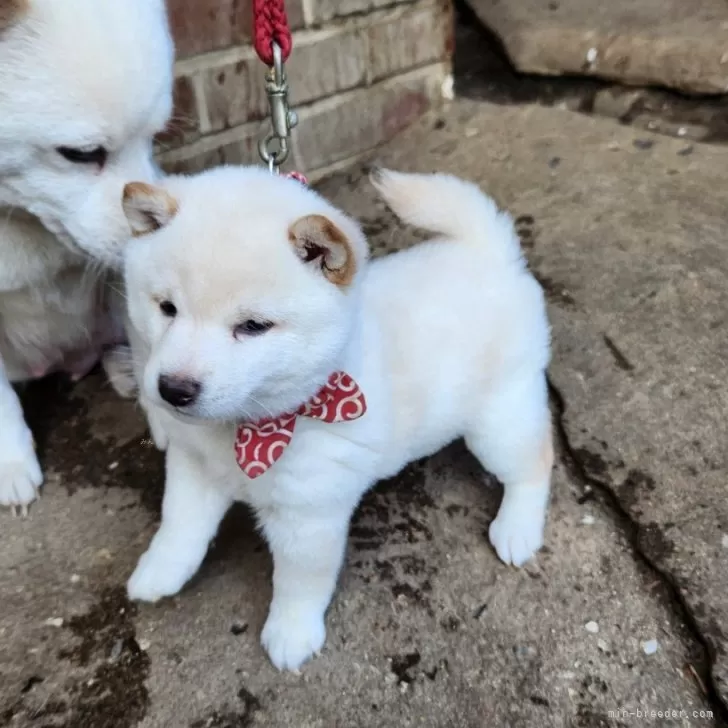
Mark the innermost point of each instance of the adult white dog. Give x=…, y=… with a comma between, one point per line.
x=84, y=87
x=289, y=373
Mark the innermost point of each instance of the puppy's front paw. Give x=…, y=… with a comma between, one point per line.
x=20, y=478
x=517, y=532
x=290, y=638
x=155, y=578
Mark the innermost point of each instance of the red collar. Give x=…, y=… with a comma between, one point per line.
x=259, y=445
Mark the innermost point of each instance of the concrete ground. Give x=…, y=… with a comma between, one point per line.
x=625, y=610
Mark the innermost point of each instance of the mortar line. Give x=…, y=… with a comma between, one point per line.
x=631, y=530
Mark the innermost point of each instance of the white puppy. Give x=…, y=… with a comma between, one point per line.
x=247, y=291
x=84, y=86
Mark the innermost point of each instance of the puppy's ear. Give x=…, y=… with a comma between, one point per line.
x=319, y=242
x=147, y=208
x=11, y=11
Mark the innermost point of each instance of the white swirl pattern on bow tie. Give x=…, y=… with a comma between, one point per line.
x=260, y=445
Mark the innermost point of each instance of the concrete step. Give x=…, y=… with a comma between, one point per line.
x=672, y=43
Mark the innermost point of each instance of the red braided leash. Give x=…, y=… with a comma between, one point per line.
x=270, y=25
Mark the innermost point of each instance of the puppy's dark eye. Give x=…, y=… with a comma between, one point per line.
x=251, y=327
x=168, y=309
x=97, y=155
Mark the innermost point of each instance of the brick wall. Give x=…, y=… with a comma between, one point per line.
x=360, y=71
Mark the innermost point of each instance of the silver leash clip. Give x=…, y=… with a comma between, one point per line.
x=275, y=147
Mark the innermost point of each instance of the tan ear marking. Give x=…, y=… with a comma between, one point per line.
x=147, y=208
x=11, y=10
x=316, y=238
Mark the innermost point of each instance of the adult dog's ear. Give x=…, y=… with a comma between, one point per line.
x=147, y=208
x=11, y=11
x=319, y=242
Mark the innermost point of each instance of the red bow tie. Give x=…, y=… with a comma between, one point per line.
x=259, y=445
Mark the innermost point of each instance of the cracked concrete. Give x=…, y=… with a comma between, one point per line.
x=626, y=232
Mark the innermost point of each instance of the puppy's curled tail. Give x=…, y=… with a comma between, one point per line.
x=452, y=207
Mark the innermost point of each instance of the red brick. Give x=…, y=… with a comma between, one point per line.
x=323, y=10
x=235, y=92
x=358, y=121
x=243, y=150
x=331, y=130
x=200, y=26
x=203, y=25
x=184, y=126
x=419, y=36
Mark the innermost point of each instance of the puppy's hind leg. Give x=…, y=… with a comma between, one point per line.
x=191, y=513
x=511, y=436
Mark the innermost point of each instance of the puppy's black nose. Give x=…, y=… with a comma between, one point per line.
x=178, y=391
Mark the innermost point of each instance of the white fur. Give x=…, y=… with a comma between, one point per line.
x=447, y=339
x=81, y=74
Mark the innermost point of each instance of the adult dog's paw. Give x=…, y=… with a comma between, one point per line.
x=20, y=477
x=119, y=368
x=290, y=638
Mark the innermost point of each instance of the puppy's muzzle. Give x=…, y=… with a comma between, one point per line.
x=179, y=391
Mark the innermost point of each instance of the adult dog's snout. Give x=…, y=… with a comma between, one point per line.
x=179, y=391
